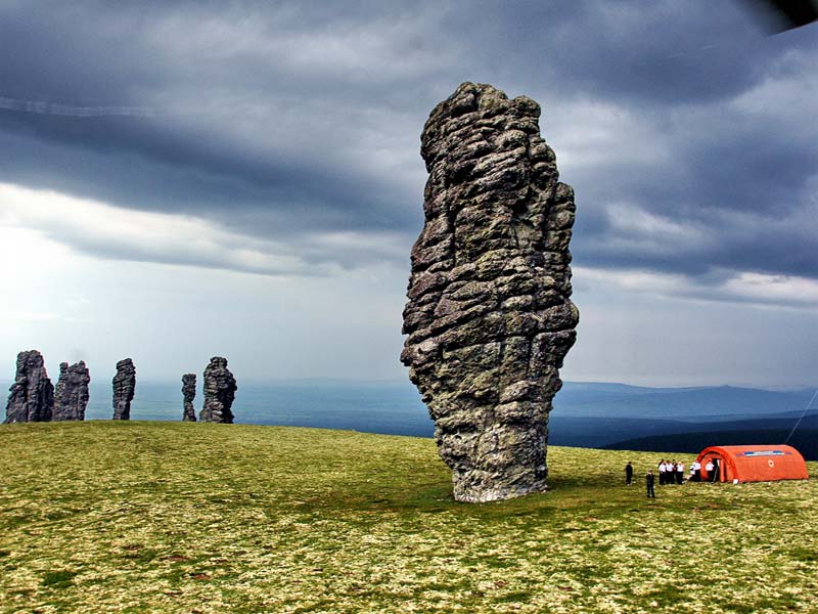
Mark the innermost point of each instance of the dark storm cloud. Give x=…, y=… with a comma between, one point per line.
x=662, y=52
x=171, y=170
x=745, y=191
x=283, y=121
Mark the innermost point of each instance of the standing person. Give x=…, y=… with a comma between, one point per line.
x=680, y=473
x=708, y=470
x=696, y=471
x=629, y=473
x=649, y=483
x=662, y=471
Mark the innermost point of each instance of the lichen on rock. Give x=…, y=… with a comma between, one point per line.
x=489, y=319
x=31, y=396
x=219, y=392
x=71, y=395
x=124, y=388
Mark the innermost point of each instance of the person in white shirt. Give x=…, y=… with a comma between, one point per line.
x=680, y=472
x=695, y=472
x=662, y=472
x=709, y=469
x=671, y=472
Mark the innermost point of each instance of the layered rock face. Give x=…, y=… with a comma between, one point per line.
x=31, y=397
x=219, y=392
x=189, y=393
x=124, y=388
x=489, y=319
x=71, y=396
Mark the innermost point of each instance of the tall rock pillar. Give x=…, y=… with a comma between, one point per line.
x=71, y=396
x=189, y=393
x=124, y=387
x=219, y=392
x=489, y=319
x=31, y=396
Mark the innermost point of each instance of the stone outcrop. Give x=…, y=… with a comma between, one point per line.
x=124, y=388
x=489, y=319
x=189, y=393
x=31, y=396
x=71, y=396
x=219, y=392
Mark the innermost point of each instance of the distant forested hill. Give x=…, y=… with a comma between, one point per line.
x=615, y=416
x=805, y=440
x=707, y=403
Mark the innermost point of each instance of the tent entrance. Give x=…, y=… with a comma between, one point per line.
x=721, y=469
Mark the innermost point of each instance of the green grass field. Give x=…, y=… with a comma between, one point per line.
x=198, y=518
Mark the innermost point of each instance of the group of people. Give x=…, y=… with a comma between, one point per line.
x=672, y=472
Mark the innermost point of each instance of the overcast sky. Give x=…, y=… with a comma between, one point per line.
x=182, y=179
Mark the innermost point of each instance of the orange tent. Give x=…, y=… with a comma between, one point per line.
x=755, y=463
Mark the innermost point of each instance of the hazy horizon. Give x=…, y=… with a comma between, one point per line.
x=99, y=382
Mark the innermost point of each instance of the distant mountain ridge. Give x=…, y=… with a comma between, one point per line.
x=713, y=403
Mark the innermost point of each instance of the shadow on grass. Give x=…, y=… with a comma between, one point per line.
x=58, y=579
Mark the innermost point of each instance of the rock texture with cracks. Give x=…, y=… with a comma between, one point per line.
x=71, y=396
x=124, y=388
x=489, y=319
x=219, y=392
x=189, y=394
x=31, y=396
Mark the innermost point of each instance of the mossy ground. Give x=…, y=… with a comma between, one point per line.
x=198, y=518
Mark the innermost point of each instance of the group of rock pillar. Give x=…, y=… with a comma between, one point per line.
x=33, y=398
x=219, y=393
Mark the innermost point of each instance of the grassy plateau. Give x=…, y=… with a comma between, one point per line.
x=161, y=517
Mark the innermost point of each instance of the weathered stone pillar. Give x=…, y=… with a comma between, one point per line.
x=31, y=396
x=189, y=393
x=219, y=392
x=489, y=319
x=124, y=388
x=71, y=396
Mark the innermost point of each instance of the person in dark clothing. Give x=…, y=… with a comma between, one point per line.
x=629, y=473
x=649, y=481
x=714, y=475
